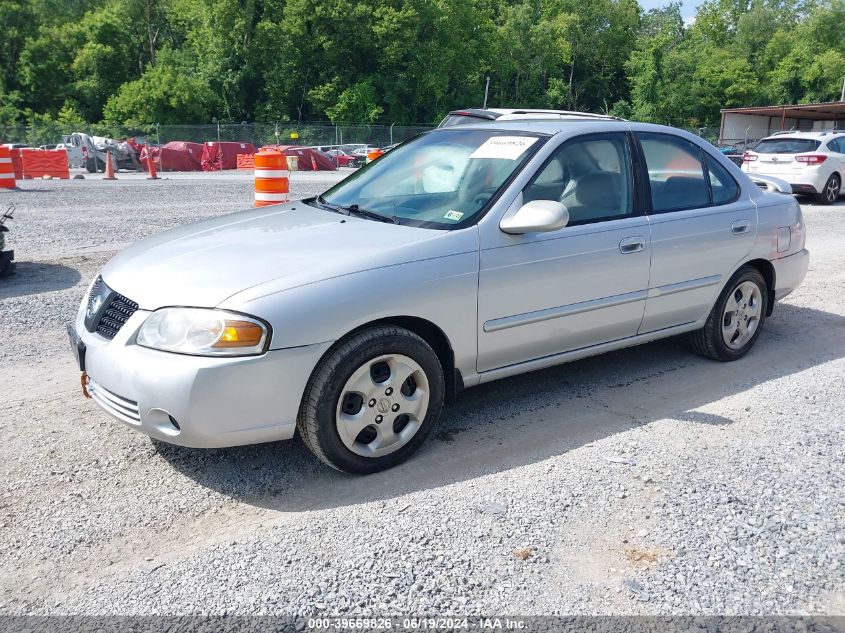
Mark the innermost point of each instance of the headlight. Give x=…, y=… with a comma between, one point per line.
x=203, y=332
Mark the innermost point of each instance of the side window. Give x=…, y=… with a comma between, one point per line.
x=675, y=173
x=722, y=184
x=591, y=175
x=838, y=145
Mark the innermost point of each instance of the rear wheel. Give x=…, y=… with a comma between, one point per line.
x=737, y=318
x=830, y=193
x=372, y=401
x=91, y=165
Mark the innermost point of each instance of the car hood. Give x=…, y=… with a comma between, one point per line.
x=204, y=263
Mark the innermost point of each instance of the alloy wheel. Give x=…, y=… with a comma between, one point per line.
x=831, y=191
x=741, y=316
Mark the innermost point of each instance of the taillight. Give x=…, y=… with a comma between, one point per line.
x=748, y=157
x=812, y=159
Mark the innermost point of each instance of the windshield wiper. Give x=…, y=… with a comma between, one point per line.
x=354, y=209
x=331, y=207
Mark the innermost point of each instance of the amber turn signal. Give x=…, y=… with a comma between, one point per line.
x=240, y=334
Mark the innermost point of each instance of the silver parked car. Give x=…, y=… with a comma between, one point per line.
x=468, y=254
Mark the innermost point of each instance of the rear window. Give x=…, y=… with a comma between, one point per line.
x=787, y=146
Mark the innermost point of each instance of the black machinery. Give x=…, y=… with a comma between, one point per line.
x=7, y=258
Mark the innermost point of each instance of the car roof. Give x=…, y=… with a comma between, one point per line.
x=523, y=113
x=574, y=127
x=542, y=126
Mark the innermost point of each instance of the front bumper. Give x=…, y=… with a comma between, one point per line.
x=790, y=272
x=214, y=402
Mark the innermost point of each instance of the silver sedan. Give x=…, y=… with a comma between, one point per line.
x=465, y=255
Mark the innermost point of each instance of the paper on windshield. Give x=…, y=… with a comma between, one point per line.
x=510, y=147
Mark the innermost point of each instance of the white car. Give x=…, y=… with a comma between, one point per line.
x=812, y=162
x=362, y=152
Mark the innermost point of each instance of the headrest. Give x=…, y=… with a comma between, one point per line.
x=599, y=189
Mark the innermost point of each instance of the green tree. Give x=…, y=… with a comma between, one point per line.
x=356, y=104
x=407, y=61
x=17, y=23
x=166, y=93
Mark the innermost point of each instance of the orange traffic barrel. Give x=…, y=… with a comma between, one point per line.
x=7, y=172
x=271, y=178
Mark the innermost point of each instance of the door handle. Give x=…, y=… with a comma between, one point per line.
x=632, y=245
x=740, y=226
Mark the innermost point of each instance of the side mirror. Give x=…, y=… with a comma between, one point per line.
x=536, y=216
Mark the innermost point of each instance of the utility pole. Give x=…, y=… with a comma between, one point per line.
x=842, y=96
x=487, y=90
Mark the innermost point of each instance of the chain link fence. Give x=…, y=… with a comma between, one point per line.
x=318, y=133
x=304, y=134
x=51, y=133
x=308, y=134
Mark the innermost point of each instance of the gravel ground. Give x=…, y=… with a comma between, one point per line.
x=647, y=481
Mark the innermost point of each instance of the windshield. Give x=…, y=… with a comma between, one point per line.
x=438, y=180
x=786, y=146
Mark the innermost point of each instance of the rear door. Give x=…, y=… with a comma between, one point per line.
x=837, y=153
x=701, y=229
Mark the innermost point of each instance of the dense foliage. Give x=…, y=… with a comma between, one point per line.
x=139, y=62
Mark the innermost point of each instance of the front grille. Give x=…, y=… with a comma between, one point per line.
x=121, y=408
x=107, y=310
x=115, y=315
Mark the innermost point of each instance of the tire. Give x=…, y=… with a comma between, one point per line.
x=720, y=338
x=91, y=165
x=357, y=418
x=101, y=166
x=831, y=191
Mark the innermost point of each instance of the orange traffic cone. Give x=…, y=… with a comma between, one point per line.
x=151, y=166
x=109, y=167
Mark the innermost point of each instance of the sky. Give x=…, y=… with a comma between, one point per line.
x=688, y=7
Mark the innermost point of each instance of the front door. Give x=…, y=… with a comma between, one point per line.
x=545, y=293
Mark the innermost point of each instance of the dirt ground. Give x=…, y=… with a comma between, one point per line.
x=522, y=503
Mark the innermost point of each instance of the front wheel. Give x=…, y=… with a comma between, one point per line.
x=372, y=400
x=737, y=318
x=830, y=193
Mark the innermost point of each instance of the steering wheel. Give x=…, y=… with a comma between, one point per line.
x=483, y=196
